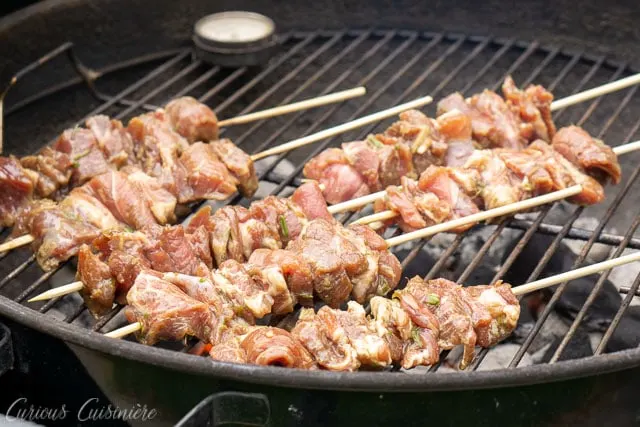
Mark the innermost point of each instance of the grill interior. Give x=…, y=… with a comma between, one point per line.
x=395, y=66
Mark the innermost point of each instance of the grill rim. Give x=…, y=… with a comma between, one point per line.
x=360, y=381
x=325, y=380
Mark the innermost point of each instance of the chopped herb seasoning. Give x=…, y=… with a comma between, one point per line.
x=373, y=140
x=283, y=226
x=383, y=286
x=433, y=299
x=415, y=336
x=81, y=155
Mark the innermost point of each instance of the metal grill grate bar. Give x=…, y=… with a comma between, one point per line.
x=593, y=294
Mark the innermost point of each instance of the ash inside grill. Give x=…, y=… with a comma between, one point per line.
x=582, y=318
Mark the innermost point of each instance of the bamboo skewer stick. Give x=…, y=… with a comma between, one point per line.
x=518, y=290
x=59, y=291
x=124, y=331
x=16, y=243
x=388, y=214
x=296, y=106
x=595, y=92
x=576, y=274
x=327, y=133
x=484, y=215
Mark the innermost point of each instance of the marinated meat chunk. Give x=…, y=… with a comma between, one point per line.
x=239, y=164
x=124, y=252
x=293, y=268
x=16, y=189
x=421, y=135
x=192, y=119
x=225, y=320
x=87, y=158
x=165, y=312
x=57, y=232
x=51, y=171
x=453, y=189
x=340, y=179
x=114, y=190
x=308, y=197
x=589, y=154
x=226, y=238
x=501, y=186
x=82, y=206
x=333, y=260
x=392, y=324
x=99, y=287
x=526, y=165
x=493, y=122
x=565, y=174
x=363, y=157
x=276, y=347
x=326, y=340
x=283, y=218
x=255, y=296
x=533, y=105
x=208, y=177
x=423, y=348
x=371, y=350
x=161, y=202
x=384, y=270
x=169, y=250
x=503, y=307
x=451, y=306
x=160, y=147
x=113, y=140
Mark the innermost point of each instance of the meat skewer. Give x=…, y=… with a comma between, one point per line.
x=237, y=160
x=80, y=154
x=410, y=329
x=485, y=120
x=101, y=289
x=528, y=169
x=309, y=197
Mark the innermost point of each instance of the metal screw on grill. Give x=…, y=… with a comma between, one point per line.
x=234, y=39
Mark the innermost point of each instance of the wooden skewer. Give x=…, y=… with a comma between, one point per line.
x=595, y=92
x=576, y=274
x=518, y=290
x=484, y=215
x=296, y=106
x=327, y=133
x=384, y=215
x=124, y=331
x=59, y=291
x=16, y=243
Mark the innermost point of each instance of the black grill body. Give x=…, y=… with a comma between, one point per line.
x=439, y=48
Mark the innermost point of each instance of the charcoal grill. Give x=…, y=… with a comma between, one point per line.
x=77, y=80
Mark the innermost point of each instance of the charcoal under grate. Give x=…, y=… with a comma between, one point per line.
x=395, y=66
